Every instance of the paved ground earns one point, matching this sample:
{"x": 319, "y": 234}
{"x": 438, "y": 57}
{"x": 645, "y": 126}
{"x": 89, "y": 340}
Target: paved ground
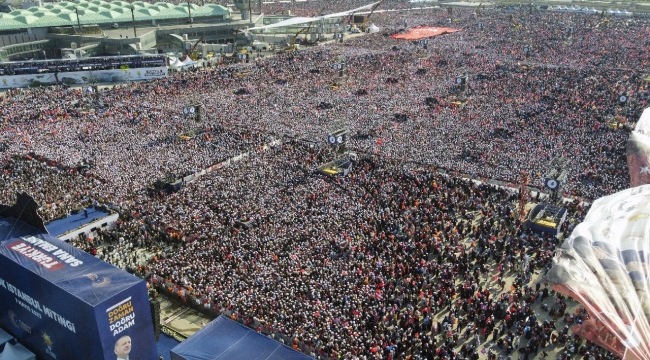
{"x": 182, "y": 320}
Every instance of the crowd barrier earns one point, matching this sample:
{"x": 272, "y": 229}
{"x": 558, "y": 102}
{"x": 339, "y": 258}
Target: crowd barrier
{"x": 180, "y": 183}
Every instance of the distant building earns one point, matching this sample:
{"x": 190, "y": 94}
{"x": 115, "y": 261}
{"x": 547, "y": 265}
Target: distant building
{"x": 30, "y": 4}
{"x": 99, "y": 27}
{"x": 5, "y": 8}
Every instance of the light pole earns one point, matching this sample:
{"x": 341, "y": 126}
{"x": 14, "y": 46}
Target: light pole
{"x": 76, "y": 11}
{"x": 189, "y": 13}
{"x": 135, "y": 35}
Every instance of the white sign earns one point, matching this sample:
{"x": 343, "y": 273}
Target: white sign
{"x": 77, "y": 77}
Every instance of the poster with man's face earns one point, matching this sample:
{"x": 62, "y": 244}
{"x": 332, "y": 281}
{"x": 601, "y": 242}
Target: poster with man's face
{"x": 123, "y": 347}
{"x": 126, "y": 327}
{"x": 63, "y": 303}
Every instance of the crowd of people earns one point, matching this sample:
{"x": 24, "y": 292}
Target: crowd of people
{"x": 405, "y": 257}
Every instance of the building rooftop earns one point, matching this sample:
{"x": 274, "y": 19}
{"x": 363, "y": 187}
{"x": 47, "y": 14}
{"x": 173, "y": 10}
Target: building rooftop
{"x": 102, "y": 12}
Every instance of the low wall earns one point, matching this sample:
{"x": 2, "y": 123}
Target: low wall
{"x": 188, "y": 179}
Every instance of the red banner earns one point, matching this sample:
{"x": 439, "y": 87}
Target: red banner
{"x": 423, "y": 32}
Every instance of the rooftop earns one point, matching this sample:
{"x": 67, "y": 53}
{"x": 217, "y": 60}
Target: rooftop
{"x": 102, "y": 12}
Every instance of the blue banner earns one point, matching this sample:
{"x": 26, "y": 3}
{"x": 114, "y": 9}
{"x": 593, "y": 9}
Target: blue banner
{"x": 63, "y": 303}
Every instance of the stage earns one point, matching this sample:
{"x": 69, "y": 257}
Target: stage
{"x": 546, "y": 218}
{"x": 76, "y": 223}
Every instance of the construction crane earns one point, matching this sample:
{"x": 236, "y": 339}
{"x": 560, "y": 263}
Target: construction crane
{"x": 292, "y": 44}
{"x": 363, "y": 26}
{"x": 191, "y": 53}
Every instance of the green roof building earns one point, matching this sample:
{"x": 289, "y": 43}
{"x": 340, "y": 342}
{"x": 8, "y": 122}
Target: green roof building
{"x": 107, "y": 27}
{"x": 101, "y": 12}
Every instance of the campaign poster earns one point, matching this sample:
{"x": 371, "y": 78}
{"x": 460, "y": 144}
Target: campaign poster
{"x": 62, "y": 303}
{"x": 124, "y": 321}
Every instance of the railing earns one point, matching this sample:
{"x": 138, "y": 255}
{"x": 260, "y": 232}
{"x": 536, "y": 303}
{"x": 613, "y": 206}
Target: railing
{"x": 17, "y": 49}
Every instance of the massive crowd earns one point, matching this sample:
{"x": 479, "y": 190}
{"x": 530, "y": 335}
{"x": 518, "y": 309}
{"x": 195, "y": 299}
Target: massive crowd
{"x": 395, "y": 260}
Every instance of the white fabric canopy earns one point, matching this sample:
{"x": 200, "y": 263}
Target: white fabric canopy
{"x": 288, "y": 22}
{"x": 365, "y": 7}
{"x": 603, "y": 265}
{"x": 638, "y": 151}
{"x": 643, "y": 125}
{"x": 307, "y": 20}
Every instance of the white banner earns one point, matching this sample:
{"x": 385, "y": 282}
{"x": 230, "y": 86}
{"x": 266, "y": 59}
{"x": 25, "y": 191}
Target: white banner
{"x": 83, "y": 77}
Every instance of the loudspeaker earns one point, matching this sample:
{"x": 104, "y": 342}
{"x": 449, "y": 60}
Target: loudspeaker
{"x": 431, "y": 101}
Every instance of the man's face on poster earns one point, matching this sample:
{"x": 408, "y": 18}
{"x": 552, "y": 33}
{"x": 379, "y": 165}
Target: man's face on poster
{"x": 123, "y": 347}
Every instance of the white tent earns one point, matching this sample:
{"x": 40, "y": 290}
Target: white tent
{"x": 175, "y": 63}
{"x": 188, "y": 63}
{"x": 16, "y": 352}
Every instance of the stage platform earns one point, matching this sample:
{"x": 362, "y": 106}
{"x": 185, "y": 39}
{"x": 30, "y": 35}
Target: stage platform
{"x": 74, "y": 224}
{"x": 337, "y": 167}
{"x": 546, "y": 218}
